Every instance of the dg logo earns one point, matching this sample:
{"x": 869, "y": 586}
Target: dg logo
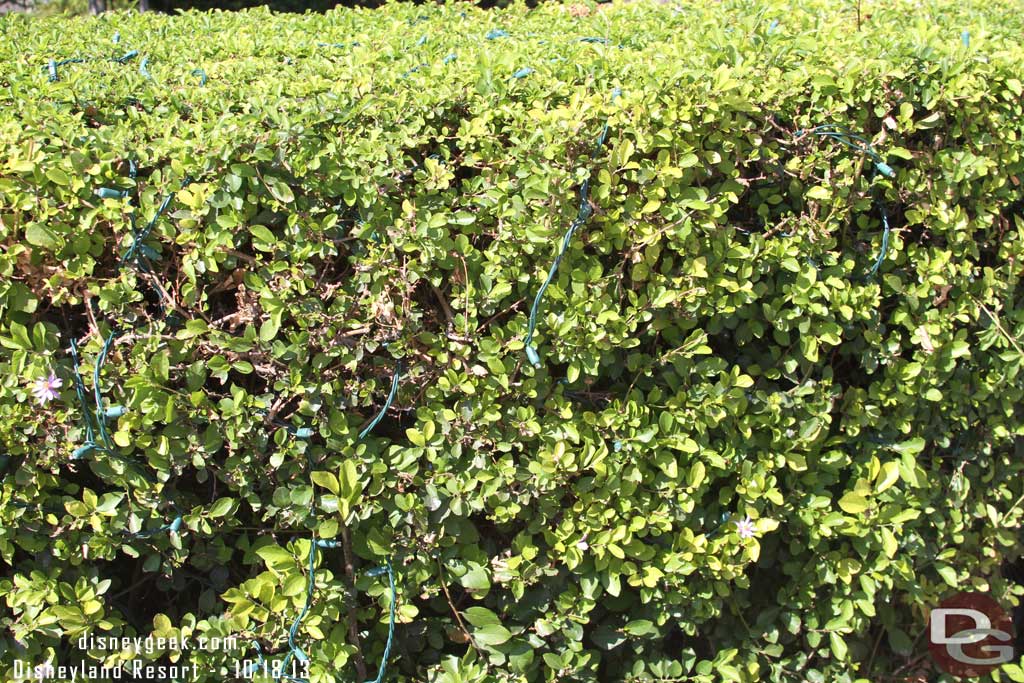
{"x": 969, "y": 635}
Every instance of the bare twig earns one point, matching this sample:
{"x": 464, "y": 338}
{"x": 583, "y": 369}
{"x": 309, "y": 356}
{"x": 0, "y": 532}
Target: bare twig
{"x": 353, "y": 626}
{"x": 355, "y": 332}
{"x": 465, "y": 276}
{"x": 995, "y": 320}
{"x": 499, "y": 314}
{"x": 1010, "y": 511}
{"x": 458, "y": 617}
{"x": 245, "y": 257}
{"x": 444, "y": 304}
{"x": 93, "y": 326}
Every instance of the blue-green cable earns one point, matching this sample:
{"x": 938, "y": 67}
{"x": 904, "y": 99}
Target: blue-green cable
{"x": 387, "y": 404}
{"x": 90, "y": 444}
{"x": 52, "y": 65}
{"x": 134, "y": 251}
{"x": 885, "y": 242}
{"x": 582, "y": 215}
{"x": 90, "y": 437}
{"x": 101, "y": 412}
{"x": 845, "y": 137}
{"x": 100, "y": 415}
{"x": 294, "y": 651}
{"x": 531, "y": 352}
{"x": 127, "y": 57}
{"x": 391, "y": 617}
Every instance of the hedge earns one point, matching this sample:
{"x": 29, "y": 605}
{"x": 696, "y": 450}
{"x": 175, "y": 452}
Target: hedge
{"x": 251, "y": 227}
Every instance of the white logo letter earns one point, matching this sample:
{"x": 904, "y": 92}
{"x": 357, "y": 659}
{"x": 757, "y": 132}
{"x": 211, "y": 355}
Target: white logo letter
{"x": 1001, "y": 653}
{"x": 938, "y": 626}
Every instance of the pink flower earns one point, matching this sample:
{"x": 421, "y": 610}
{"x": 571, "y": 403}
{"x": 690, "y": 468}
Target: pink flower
{"x": 745, "y": 528}
{"x": 45, "y": 390}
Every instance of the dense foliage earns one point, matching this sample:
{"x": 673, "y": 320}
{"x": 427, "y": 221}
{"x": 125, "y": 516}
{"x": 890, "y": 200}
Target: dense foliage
{"x": 733, "y": 331}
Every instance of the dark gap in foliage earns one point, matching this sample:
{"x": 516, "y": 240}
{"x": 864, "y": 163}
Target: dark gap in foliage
{"x": 743, "y": 215}
{"x": 222, "y": 300}
{"x": 154, "y": 305}
{"x": 1013, "y": 571}
{"x": 70, "y": 319}
{"x": 435, "y": 316}
{"x": 723, "y": 346}
{"x": 846, "y": 371}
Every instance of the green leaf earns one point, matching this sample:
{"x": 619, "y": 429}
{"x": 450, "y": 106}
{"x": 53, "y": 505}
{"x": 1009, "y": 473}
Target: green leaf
{"x": 688, "y": 160}
{"x": 476, "y": 579}
{"x": 221, "y": 507}
{"x": 480, "y": 616}
{"x": 39, "y": 235}
{"x": 281, "y": 191}
{"x": 640, "y": 627}
{"x": 350, "y": 488}
{"x": 818, "y": 192}
{"x": 837, "y": 644}
{"x": 108, "y": 503}
{"x": 328, "y": 528}
{"x": 651, "y": 206}
{"x": 276, "y": 557}
{"x": 295, "y": 584}
{"x": 696, "y": 475}
{"x": 887, "y": 476}
{"x": 853, "y": 503}
{"x": 889, "y": 543}
{"x": 947, "y": 573}
{"x": 327, "y": 480}
{"x": 58, "y": 176}
{"x": 19, "y": 338}
{"x": 553, "y": 661}
{"x": 263, "y": 239}
{"x": 302, "y": 495}
{"x": 269, "y": 328}
{"x": 912, "y": 446}
{"x": 607, "y": 638}
{"x": 810, "y": 429}
{"x": 348, "y": 480}
{"x": 416, "y": 437}
{"x": 492, "y": 634}
{"x": 1013, "y": 672}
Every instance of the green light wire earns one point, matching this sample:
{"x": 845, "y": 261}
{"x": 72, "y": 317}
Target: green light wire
{"x": 391, "y": 617}
{"x": 387, "y": 404}
{"x": 134, "y": 252}
{"x": 844, "y": 137}
{"x": 584, "y": 213}
{"x": 52, "y": 65}
{"x": 101, "y": 414}
{"x": 80, "y": 390}
{"x": 294, "y": 651}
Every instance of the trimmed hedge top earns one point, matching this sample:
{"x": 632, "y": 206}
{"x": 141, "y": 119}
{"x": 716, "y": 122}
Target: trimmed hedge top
{"x": 771, "y": 410}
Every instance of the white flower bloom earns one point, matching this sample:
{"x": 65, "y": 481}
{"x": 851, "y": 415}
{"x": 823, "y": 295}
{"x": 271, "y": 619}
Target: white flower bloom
{"x": 745, "y": 528}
